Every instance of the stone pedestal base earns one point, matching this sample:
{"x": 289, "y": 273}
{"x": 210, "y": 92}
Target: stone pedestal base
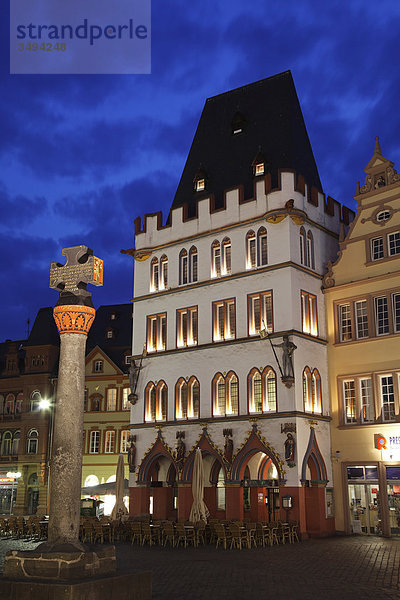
{"x": 122, "y": 587}
{"x": 60, "y": 563}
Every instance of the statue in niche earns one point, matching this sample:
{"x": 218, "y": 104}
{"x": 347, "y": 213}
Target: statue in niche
{"x": 290, "y": 448}
{"x": 228, "y": 445}
{"x": 132, "y": 454}
{"x": 134, "y": 370}
{"x": 180, "y": 449}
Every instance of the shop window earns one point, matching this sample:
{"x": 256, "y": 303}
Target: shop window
{"x": 186, "y": 327}
{"x": 262, "y": 391}
{"x": 225, "y": 395}
{"x": 309, "y": 313}
{"x": 156, "y": 332}
{"x": 33, "y": 441}
{"x": 224, "y": 320}
{"x": 94, "y": 442}
{"x": 156, "y": 397}
{"x": 111, "y": 399}
{"x": 187, "y": 399}
{"x": 109, "y": 445}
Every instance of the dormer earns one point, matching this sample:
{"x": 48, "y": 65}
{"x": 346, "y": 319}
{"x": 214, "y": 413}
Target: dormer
{"x": 200, "y": 180}
{"x": 238, "y": 123}
{"x": 379, "y": 172}
{"x": 259, "y": 164}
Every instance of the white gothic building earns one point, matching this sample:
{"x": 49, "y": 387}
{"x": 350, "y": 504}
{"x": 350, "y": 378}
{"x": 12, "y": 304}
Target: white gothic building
{"x": 230, "y": 332}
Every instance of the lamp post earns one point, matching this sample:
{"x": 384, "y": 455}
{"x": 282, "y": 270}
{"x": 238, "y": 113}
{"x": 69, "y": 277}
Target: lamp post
{"x": 15, "y": 476}
{"x": 44, "y": 405}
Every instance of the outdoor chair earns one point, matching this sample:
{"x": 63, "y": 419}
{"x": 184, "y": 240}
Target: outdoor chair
{"x": 180, "y": 534}
{"x": 148, "y": 534}
{"x": 200, "y": 531}
{"x": 97, "y": 533}
{"x": 168, "y": 533}
{"x": 221, "y": 535}
{"x": 262, "y": 535}
{"x": 251, "y": 534}
{"x": 294, "y": 527}
{"x": 236, "y": 537}
{"x": 136, "y": 531}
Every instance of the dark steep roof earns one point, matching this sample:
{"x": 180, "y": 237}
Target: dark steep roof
{"x": 44, "y": 331}
{"x": 270, "y": 115}
{"x": 121, "y": 326}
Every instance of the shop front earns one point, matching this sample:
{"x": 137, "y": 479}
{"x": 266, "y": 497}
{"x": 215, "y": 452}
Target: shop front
{"x": 8, "y": 494}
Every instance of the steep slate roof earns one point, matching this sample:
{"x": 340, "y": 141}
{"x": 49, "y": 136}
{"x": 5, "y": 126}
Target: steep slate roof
{"x": 44, "y": 331}
{"x": 273, "y": 124}
{"x": 121, "y": 341}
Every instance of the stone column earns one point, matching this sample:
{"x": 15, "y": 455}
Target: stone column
{"x": 66, "y": 466}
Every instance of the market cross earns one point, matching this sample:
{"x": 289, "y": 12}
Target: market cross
{"x": 80, "y": 269}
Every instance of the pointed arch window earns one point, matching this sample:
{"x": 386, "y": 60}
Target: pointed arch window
{"x": 262, "y": 390}
{"x": 316, "y": 392}
{"x": 163, "y": 272}
{"x": 310, "y": 250}
{"x": 312, "y": 393}
{"x": 156, "y": 398}
{"x": 262, "y": 247}
{"x": 226, "y": 265}
{"x": 251, "y": 253}
{"x": 307, "y": 390}
{"x": 183, "y": 267}
{"x": 303, "y": 249}
{"x": 159, "y": 274}
{"x": 187, "y": 398}
{"x": 193, "y": 258}
{"x": 154, "y": 275}
{"x": 215, "y": 259}
{"x": 225, "y": 394}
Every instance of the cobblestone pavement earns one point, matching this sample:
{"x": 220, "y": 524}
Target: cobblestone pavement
{"x": 331, "y": 569}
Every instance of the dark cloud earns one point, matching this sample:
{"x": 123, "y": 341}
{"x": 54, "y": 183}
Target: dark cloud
{"x": 19, "y": 210}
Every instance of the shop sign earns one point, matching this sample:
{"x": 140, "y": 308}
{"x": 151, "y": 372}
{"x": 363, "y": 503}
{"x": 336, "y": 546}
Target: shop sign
{"x": 389, "y": 444}
{"x": 6, "y": 480}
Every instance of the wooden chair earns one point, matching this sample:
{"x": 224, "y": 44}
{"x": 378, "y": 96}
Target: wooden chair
{"x": 136, "y": 532}
{"x": 236, "y": 537}
{"x": 148, "y": 534}
{"x": 251, "y": 534}
{"x": 97, "y": 533}
{"x": 221, "y": 535}
{"x": 168, "y": 533}
{"x": 294, "y": 527}
{"x": 200, "y": 531}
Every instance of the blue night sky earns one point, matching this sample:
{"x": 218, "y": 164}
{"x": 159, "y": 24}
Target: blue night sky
{"x": 82, "y": 156}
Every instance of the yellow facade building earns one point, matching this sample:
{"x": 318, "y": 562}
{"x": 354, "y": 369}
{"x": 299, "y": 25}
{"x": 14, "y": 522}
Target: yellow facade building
{"x": 362, "y": 293}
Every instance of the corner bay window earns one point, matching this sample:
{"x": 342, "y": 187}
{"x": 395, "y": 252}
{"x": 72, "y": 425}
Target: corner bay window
{"x": 186, "y": 327}
{"x": 262, "y": 390}
{"x": 224, "y": 320}
{"x": 260, "y": 312}
{"x": 187, "y": 398}
{"x": 156, "y": 396}
{"x": 225, "y": 392}
{"x": 156, "y": 332}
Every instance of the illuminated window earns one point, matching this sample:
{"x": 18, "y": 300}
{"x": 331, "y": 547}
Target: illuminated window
{"x": 303, "y": 250}
{"x": 262, "y": 248}
{"x": 251, "y": 262}
{"x": 259, "y": 169}
{"x": 349, "y": 396}
{"x": 309, "y": 313}
{"x": 124, "y": 445}
{"x": 109, "y": 445}
{"x": 111, "y": 399}
{"x": 225, "y": 395}
{"x": 312, "y": 395}
{"x": 345, "y": 327}
{"x": 260, "y": 312}
{"x": 262, "y": 390}
{"x": 221, "y": 258}
{"x": 221, "y": 505}
{"x": 154, "y": 278}
{"x": 226, "y": 265}
{"x": 156, "y": 397}
{"x": 94, "y": 442}
{"x": 224, "y": 320}
{"x": 381, "y": 315}
{"x": 193, "y": 264}
{"x": 110, "y": 334}
{"x": 216, "y": 260}
{"x": 387, "y": 397}
{"x": 367, "y": 401}
{"x": 156, "y": 332}
{"x": 310, "y": 250}
{"x": 200, "y": 185}
{"x": 307, "y": 248}
{"x": 125, "y": 402}
{"x": 159, "y": 274}
{"x": 187, "y": 399}
{"x": 186, "y": 327}
{"x": 163, "y": 273}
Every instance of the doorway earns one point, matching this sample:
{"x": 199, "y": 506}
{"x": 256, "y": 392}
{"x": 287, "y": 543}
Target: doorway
{"x": 364, "y": 506}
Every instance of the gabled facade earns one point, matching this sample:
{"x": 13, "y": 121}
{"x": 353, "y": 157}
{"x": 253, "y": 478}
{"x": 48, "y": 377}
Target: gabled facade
{"x": 362, "y": 294}
{"x": 229, "y": 308}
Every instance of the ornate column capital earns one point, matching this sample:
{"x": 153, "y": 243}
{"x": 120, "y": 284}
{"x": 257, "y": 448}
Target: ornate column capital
{"x": 74, "y": 318}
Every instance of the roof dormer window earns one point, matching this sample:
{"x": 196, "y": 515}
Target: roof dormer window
{"x": 259, "y": 169}
{"x": 200, "y": 180}
{"x": 238, "y": 124}
{"x": 200, "y": 185}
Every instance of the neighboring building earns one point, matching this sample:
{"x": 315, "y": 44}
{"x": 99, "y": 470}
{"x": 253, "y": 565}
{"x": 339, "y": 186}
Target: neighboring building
{"x": 362, "y": 293}
{"x": 107, "y": 414}
{"x": 242, "y": 251}
{"x": 27, "y": 376}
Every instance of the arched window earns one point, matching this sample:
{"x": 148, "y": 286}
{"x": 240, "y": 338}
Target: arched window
{"x": 193, "y": 264}
{"x": 193, "y": 398}
{"x": 181, "y": 393}
{"x": 226, "y": 257}
{"x": 33, "y": 440}
{"x": 303, "y": 248}
{"x": 36, "y": 397}
{"x": 187, "y": 398}
{"x": 6, "y": 443}
{"x": 163, "y": 283}
{"x": 251, "y": 254}
{"x": 225, "y": 395}
{"x": 91, "y": 480}
{"x": 15, "y": 442}
{"x": 310, "y": 250}
{"x": 221, "y": 490}
{"x": 9, "y": 404}
{"x": 18, "y": 404}
{"x": 262, "y": 247}
{"x": 262, "y": 390}
{"x": 307, "y": 390}
{"x": 183, "y": 267}
{"x": 156, "y": 402}
{"x": 215, "y": 259}
{"x": 154, "y": 275}
{"x": 316, "y": 389}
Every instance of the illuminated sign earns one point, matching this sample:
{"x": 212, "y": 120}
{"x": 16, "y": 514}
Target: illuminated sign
{"x": 380, "y": 441}
{"x": 6, "y": 480}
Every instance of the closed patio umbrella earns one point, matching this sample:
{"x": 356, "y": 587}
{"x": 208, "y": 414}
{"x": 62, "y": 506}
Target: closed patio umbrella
{"x": 119, "y": 511}
{"x": 199, "y": 510}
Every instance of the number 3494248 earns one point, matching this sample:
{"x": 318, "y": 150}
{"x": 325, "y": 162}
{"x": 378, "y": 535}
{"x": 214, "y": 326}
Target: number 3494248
{"x": 43, "y": 47}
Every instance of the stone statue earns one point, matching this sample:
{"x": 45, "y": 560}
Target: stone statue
{"x": 288, "y": 349}
{"x": 133, "y": 375}
{"x": 132, "y": 456}
{"x": 228, "y": 445}
{"x": 180, "y": 449}
{"x": 290, "y": 447}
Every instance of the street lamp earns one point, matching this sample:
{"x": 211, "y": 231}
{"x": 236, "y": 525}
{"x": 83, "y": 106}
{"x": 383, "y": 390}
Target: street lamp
{"x": 14, "y": 476}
